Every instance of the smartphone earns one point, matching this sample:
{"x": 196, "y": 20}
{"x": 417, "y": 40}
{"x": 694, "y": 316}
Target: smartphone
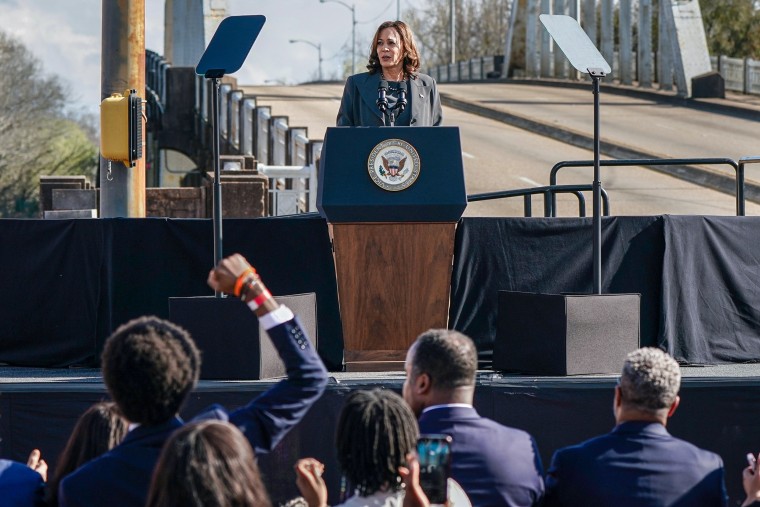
{"x": 434, "y": 454}
{"x": 752, "y": 461}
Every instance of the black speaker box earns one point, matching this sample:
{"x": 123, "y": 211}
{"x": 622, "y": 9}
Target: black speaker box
{"x": 233, "y": 345}
{"x": 565, "y": 334}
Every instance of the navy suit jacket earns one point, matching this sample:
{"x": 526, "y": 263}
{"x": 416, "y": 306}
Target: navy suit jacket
{"x": 358, "y": 107}
{"x": 495, "y": 465}
{"x": 637, "y": 464}
{"x": 20, "y": 486}
{"x": 122, "y": 476}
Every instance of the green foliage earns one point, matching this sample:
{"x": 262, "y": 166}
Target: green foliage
{"x": 731, "y": 27}
{"x": 36, "y": 135}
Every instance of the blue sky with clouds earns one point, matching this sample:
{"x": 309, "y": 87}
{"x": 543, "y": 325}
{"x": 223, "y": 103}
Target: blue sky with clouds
{"x": 65, "y": 36}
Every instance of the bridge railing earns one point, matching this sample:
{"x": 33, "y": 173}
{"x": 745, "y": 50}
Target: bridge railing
{"x": 740, "y": 74}
{"x": 282, "y": 152}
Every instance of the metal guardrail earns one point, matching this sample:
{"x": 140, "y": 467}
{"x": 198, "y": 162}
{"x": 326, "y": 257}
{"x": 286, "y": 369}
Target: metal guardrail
{"x": 740, "y": 74}
{"x": 550, "y": 193}
{"x": 476, "y": 69}
{"x": 738, "y": 168}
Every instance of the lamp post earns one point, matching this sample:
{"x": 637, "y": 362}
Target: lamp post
{"x": 352, "y": 8}
{"x": 319, "y": 50}
{"x": 453, "y": 30}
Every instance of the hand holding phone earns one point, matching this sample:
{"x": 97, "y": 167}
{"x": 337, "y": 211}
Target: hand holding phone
{"x": 434, "y": 455}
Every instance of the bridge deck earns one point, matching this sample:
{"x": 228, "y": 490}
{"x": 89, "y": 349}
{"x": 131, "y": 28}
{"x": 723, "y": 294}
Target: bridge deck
{"x": 498, "y": 156}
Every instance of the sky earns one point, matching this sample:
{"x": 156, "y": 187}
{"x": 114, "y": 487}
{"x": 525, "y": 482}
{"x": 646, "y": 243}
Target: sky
{"x": 65, "y": 35}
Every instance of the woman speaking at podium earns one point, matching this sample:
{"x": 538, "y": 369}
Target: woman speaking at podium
{"x": 391, "y": 92}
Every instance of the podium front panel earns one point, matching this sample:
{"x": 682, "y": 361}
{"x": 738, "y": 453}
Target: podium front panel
{"x": 347, "y": 192}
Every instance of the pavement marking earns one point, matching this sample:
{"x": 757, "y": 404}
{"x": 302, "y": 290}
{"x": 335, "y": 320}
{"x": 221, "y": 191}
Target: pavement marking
{"x": 467, "y": 155}
{"x": 529, "y": 181}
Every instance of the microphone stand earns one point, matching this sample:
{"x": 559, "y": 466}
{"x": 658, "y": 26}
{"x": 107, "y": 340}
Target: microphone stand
{"x": 390, "y": 112}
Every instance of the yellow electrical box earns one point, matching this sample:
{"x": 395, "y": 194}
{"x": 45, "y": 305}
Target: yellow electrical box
{"x": 121, "y": 127}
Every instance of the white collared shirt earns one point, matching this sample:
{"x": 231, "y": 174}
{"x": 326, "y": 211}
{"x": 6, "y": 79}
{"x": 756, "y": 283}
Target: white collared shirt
{"x": 446, "y": 405}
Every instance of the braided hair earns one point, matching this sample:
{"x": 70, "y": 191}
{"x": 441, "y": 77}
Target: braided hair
{"x": 376, "y": 430}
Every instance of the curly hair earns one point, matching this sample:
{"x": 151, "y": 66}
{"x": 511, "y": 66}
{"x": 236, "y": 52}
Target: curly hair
{"x": 448, "y": 357}
{"x": 408, "y": 46}
{"x": 650, "y": 379}
{"x": 149, "y": 367}
{"x": 376, "y": 430}
{"x": 207, "y": 464}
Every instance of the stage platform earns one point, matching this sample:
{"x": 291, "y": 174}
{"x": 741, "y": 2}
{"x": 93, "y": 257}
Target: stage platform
{"x": 720, "y": 411}
{"x": 66, "y": 285}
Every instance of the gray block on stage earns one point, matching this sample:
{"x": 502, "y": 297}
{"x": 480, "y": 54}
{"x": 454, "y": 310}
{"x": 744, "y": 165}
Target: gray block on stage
{"x": 74, "y": 199}
{"x": 65, "y": 214}
{"x": 565, "y": 334}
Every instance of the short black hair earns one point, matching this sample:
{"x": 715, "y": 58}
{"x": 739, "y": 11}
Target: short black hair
{"x": 448, "y": 357}
{"x": 150, "y": 365}
{"x": 376, "y": 430}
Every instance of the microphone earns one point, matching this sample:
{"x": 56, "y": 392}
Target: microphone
{"x": 382, "y": 100}
{"x": 401, "y": 104}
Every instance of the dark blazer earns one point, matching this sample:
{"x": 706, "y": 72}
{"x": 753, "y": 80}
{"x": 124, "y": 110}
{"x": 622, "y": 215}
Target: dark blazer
{"x": 637, "y": 464}
{"x": 20, "y": 486}
{"x": 122, "y": 476}
{"x": 358, "y": 106}
{"x": 495, "y": 465}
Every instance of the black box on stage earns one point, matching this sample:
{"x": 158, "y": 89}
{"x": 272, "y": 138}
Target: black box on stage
{"x": 233, "y": 345}
{"x": 565, "y": 334}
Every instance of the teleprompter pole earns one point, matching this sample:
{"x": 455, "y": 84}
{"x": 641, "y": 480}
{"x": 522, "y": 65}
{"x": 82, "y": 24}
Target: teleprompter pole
{"x": 217, "y": 175}
{"x": 596, "y": 74}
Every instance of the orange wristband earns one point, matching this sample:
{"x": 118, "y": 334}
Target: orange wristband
{"x": 242, "y": 278}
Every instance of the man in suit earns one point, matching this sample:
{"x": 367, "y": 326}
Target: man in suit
{"x": 639, "y": 463}
{"x": 495, "y": 465}
{"x": 150, "y": 366}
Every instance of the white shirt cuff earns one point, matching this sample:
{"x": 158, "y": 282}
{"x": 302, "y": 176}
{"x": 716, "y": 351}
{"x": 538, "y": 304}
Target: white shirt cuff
{"x": 276, "y": 317}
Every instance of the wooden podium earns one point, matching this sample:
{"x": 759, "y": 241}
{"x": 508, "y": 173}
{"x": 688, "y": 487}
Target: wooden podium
{"x": 393, "y": 246}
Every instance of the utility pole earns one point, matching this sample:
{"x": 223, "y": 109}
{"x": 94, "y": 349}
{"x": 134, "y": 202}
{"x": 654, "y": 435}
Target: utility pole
{"x": 122, "y": 64}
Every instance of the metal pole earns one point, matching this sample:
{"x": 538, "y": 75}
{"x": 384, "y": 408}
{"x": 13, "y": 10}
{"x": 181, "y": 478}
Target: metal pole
{"x": 217, "y": 175}
{"x": 353, "y": 39}
{"x": 398, "y": 10}
{"x": 122, "y": 189}
{"x": 453, "y": 32}
{"x": 319, "y": 50}
{"x": 597, "y": 192}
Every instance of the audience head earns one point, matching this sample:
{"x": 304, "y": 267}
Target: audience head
{"x": 376, "y": 430}
{"x": 99, "y": 429}
{"x": 440, "y": 368}
{"x": 149, "y": 367}
{"x": 648, "y": 385}
{"x": 207, "y": 464}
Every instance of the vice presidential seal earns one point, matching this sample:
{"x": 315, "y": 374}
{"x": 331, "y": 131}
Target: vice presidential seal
{"x": 394, "y": 165}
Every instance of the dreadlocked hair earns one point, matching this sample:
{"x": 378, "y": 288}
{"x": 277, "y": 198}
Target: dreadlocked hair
{"x": 376, "y": 431}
